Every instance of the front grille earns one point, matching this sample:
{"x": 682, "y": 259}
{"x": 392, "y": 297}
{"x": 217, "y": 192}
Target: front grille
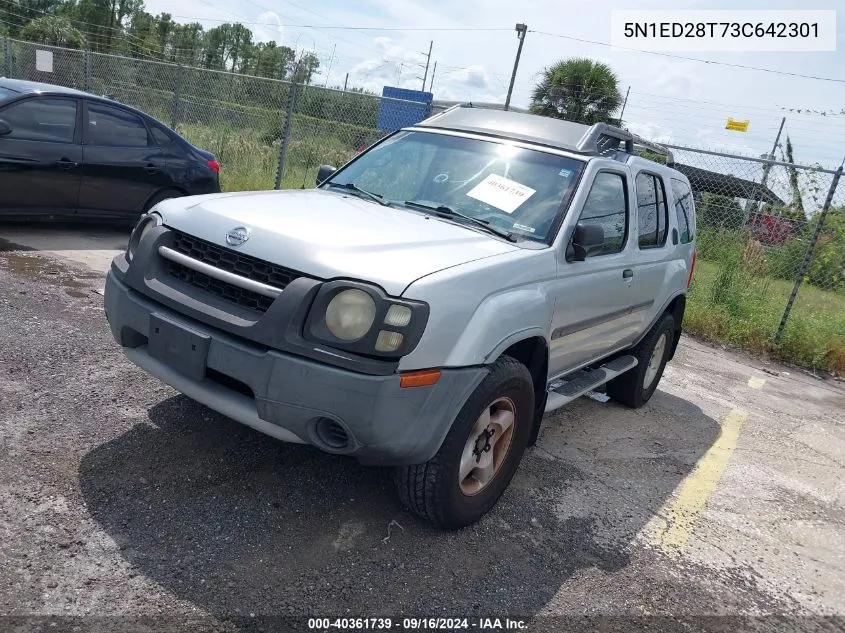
{"x": 230, "y": 261}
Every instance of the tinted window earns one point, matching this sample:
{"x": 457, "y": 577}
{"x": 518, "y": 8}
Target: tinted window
{"x": 607, "y": 206}
{"x": 683, "y": 209}
{"x": 652, "y": 217}
{"x": 161, "y": 136}
{"x": 42, "y": 120}
{"x": 114, "y": 128}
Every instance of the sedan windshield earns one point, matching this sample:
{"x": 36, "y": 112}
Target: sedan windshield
{"x": 510, "y": 189}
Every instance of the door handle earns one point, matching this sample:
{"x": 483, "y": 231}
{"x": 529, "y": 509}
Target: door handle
{"x": 152, "y": 168}
{"x": 627, "y": 274}
{"x": 65, "y": 163}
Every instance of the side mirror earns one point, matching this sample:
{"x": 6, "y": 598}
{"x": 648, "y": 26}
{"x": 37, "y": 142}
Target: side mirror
{"x": 325, "y": 172}
{"x": 587, "y": 240}
{"x": 5, "y": 128}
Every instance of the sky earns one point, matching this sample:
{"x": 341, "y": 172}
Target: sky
{"x": 474, "y": 45}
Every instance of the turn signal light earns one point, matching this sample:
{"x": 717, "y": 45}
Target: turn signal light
{"x": 422, "y": 378}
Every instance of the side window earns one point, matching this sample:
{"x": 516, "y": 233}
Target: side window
{"x": 42, "y": 120}
{"x": 162, "y": 137}
{"x": 112, "y": 127}
{"x": 652, "y": 216}
{"x": 607, "y": 205}
{"x": 683, "y": 209}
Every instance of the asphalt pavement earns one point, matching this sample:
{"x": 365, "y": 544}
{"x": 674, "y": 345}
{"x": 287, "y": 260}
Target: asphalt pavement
{"x": 124, "y": 505}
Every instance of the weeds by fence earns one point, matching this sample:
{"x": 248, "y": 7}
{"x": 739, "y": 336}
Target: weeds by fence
{"x": 771, "y": 235}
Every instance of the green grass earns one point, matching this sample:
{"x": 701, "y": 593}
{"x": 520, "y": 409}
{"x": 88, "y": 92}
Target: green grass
{"x": 745, "y": 311}
{"x": 248, "y": 162}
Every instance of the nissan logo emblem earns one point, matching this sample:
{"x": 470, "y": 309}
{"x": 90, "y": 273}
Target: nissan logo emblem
{"x": 237, "y": 236}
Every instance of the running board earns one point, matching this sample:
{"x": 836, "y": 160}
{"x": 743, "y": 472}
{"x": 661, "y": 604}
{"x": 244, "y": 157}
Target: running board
{"x": 564, "y": 391}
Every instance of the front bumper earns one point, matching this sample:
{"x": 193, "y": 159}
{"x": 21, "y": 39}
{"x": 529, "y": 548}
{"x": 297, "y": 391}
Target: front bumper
{"x": 288, "y": 396}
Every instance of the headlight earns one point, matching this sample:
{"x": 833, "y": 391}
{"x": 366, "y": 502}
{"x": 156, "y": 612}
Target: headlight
{"x": 362, "y": 319}
{"x": 350, "y": 315}
{"x": 147, "y": 222}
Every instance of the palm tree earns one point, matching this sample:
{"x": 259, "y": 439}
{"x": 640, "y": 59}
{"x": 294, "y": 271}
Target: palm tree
{"x": 578, "y": 89}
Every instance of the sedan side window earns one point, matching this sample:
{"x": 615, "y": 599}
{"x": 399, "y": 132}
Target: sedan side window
{"x": 52, "y": 120}
{"x": 607, "y": 206}
{"x": 112, "y": 127}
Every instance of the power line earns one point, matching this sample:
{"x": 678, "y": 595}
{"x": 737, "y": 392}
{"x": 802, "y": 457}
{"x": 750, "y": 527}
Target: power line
{"x": 692, "y": 59}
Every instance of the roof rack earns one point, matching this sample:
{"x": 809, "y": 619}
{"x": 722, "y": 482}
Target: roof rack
{"x": 599, "y": 139}
{"x": 603, "y": 139}
{"x": 655, "y": 147}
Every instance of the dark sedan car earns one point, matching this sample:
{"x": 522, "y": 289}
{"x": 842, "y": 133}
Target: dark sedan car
{"x": 69, "y": 153}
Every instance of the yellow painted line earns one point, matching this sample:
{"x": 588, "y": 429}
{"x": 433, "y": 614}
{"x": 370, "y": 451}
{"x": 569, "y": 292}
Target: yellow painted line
{"x": 699, "y": 485}
{"x": 756, "y": 383}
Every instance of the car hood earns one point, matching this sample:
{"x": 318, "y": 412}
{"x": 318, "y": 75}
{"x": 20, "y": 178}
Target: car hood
{"x": 329, "y": 235}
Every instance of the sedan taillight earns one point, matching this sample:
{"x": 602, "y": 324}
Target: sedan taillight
{"x": 215, "y": 166}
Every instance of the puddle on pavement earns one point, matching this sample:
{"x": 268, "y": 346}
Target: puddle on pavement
{"x": 26, "y": 264}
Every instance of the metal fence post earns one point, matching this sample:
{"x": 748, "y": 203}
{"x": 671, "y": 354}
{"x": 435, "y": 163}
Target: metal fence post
{"x": 87, "y": 58}
{"x": 808, "y": 254}
{"x": 177, "y": 89}
{"x": 283, "y": 146}
{"x": 8, "y": 47}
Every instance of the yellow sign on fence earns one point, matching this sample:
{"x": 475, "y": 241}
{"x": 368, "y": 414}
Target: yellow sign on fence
{"x": 739, "y": 126}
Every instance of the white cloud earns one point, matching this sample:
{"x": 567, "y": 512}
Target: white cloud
{"x": 473, "y": 77}
{"x": 269, "y": 29}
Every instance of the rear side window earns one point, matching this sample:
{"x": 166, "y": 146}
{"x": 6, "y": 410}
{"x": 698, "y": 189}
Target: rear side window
{"x": 683, "y": 209}
{"x": 652, "y": 216}
{"x": 161, "y": 136}
{"x": 51, "y": 120}
{"x": 113, "y": 127}
{"x": 607, "y": 205}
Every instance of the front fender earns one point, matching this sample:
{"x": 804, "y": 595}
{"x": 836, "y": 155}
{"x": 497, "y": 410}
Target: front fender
{"x": 500, "y": 321}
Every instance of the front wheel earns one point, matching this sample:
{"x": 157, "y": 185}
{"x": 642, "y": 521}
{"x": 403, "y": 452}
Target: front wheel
{"x": 480, "y": 454}
{"x": 636, "y": 386}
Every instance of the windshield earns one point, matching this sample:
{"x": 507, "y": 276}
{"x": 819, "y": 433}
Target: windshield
{"x": 519, "y": 191}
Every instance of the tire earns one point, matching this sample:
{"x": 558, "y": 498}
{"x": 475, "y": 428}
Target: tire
{"x": 630, "y": 388}
{"x": 433, "y": 491}
{"x": 166, "y": 194}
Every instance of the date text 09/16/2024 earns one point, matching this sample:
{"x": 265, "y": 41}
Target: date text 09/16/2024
{"x": 415, "y": 624}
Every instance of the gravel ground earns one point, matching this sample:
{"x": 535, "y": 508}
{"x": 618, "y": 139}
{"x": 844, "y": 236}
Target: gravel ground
{"x": 124, "y": 505}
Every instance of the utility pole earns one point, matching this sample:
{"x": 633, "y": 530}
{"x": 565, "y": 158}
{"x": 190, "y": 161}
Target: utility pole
{"x": 345, "y": 81}
{"x": 624, "y": 103}
{"x": 427, "y": 62}
{"x": 766, "y": 168}
{"x": 521, "y": 30}
{"x": 431, "y": 83}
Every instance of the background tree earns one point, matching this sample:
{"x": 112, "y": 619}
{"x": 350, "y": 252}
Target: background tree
{"x": 578, "y": 89}
{"x": 302, "y": 70}
{"x": 53, "y": 30}
{"x": 717, "y": 211}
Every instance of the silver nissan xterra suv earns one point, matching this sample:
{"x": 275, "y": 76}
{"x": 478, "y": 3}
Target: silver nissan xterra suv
{"x": 426, "y": 303}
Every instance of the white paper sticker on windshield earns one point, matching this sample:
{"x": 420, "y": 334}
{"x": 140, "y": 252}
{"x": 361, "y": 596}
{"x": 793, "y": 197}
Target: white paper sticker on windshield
{"x": 44, "y": 61}
{"x": 502, "y": 193}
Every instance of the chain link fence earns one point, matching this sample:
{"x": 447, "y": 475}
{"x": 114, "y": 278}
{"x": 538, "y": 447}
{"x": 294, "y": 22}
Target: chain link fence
{"x": 771, "y": 248}
{"x": 771, "y": 235}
